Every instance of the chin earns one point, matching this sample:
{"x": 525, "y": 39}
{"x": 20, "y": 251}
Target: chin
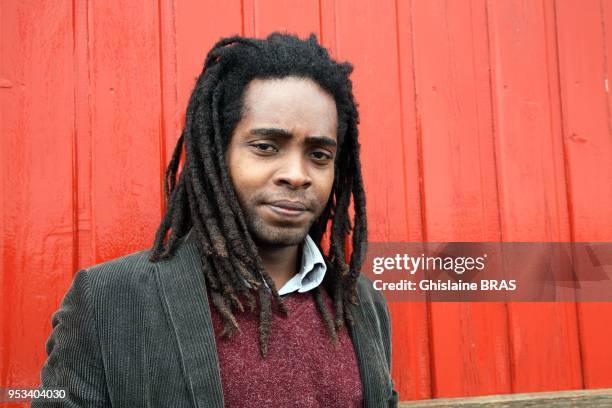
{"x": 279, "y": 236}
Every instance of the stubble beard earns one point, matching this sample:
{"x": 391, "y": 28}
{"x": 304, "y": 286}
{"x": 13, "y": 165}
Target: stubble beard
{"x": 267, "y": 235}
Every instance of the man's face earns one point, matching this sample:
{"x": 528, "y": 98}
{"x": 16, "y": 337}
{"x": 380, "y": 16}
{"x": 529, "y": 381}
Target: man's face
{"x": 281, "y": 158}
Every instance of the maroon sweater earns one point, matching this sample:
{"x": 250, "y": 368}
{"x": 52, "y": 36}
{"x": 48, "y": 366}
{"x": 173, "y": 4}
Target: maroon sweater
{"x": 302, "y": 367}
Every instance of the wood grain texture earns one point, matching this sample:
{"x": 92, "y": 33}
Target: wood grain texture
{"x": 481, "y": 120}
{"x": 544, "y": 349}
{"x": 126, "y": 126}
{"x": 584, "y": 41}
{"x": 37, "y": 209}
{"x": 410, "y": 321}
{"x": 458, "y": 161}
{"x": 374, "y": 54}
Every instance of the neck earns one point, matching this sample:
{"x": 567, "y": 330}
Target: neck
{"x": 281, "y": 263}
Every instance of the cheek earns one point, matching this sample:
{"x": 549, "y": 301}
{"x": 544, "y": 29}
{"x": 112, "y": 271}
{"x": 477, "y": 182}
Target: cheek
{"x": 246, "y": 176}
{"x": 239, "y": 177}
{"x": 236, "y": 173}
{"x": 326, "y": 183}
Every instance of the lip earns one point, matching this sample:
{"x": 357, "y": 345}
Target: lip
{"x": 287, "y": 209}
{"x": 289, "y": 205}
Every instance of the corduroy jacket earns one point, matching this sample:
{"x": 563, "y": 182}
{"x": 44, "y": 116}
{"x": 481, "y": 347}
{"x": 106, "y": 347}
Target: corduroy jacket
{"x": 133, "y": 333}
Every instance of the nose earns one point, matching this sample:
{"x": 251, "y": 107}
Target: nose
{"x": 293, "y": 173}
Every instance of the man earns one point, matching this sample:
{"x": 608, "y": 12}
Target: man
{"x": 271, "y": 162}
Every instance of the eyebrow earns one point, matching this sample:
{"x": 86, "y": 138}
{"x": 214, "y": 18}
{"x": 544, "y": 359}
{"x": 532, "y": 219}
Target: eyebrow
{"x": 276, "y": 132}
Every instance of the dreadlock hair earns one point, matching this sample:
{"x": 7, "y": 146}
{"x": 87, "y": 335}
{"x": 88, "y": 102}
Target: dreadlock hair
{"x": 203, "y": 196}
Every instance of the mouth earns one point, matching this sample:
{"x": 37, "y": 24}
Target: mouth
{"x": 287, "y": 209}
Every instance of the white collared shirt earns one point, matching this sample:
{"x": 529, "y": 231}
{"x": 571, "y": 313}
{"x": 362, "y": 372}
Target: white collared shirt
{"x": 311, "y": 273}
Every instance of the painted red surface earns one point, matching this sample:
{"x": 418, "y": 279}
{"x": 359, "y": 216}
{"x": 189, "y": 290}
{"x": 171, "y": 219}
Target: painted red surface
{"x": 481, "y": 120}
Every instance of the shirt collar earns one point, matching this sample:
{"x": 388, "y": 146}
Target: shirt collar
{"x": 311, "y": 273}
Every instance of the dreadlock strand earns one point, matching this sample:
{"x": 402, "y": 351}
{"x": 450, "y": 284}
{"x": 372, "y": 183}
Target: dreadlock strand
{"x": 172, "y": 219}
{"x": 206, "y": 239}
{"x": 218, "y": 49}
{"x": 201, "y": 198}
{"x": 338, "y": 304}
{"x": 180, "y": 221}
{"x": 350, "y": 320}
{"x": 207, "y": 268}
{"x": 227, "y": 280}
{"x": 230, "y": 325}
{"x": 360, "y": 228}
{"x": 226, "y": 215}
{"x": 198, "y": 223}
{"x": 325, "y": 314}
{"x": 265, "y": 317}
{"x": 217, "y": 269}
{"x": 320, "y": 225}
{"x": 170, "y": 176}
{"x": 221, "y": 259}
{"x": 338, "y": 231}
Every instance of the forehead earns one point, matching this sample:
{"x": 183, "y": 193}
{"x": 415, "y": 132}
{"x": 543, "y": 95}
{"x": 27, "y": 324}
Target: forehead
{"x": 292, "y": 103}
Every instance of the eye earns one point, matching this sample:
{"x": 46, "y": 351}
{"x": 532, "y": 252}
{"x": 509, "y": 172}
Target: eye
{"x": 321, "y": 155}
{"x": 264, "y": 147}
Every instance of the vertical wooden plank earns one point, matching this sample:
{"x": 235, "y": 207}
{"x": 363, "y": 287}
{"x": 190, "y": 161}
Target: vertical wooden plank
{"x": 301, "y": 18}
{"x": 126, "y": 126}
{"x": 36, "y": 155}
{"x": 584, "y": 30}
{"x": 327, "y": 21}
{"x": 543, "y": 336}
{"x": 366, "y": 34}
{"x": 185, "y": 43}
{"x": 373, "y": 52}
{"x": 248, "y": 18}
{"x": 411, "y": 354}
{"x": 469, "y": 340}
{"x": 82, "y": 141}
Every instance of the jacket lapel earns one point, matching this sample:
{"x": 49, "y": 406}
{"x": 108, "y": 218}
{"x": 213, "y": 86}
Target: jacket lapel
{"x": 370, "y": 355}
{"x": 183, "y": 291}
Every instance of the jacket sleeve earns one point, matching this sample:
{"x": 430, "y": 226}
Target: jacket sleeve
{"x": 74, "y": 360}
{"x": 394, "y": 398}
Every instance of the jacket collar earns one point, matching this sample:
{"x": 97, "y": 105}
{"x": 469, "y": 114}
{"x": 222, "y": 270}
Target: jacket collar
{"x": 183, "y": 290}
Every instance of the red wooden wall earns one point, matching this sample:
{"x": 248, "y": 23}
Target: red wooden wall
{"x": 481, "y": 121}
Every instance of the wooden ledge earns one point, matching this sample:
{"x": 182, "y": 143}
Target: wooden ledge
{"x": 578, "y": 398}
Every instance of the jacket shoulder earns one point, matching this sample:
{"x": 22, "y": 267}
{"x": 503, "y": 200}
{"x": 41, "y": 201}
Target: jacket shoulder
{"x": 367, "y": 293}
{"x": 126, "y": 273}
